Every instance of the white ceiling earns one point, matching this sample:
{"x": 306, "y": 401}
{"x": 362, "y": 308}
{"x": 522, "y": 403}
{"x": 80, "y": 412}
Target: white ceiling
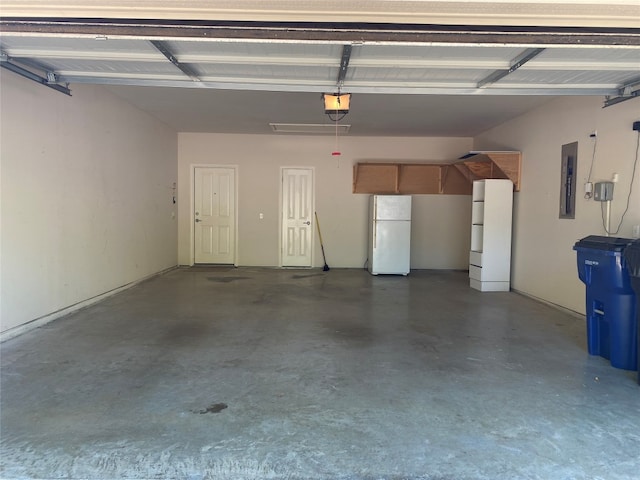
{"x": 242, "y": 111}
{"x": 407, "y": 80}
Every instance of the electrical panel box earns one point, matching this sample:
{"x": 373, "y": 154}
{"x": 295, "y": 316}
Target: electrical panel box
{"x": 603, "y": 191}
{"x": 568, "y": 180}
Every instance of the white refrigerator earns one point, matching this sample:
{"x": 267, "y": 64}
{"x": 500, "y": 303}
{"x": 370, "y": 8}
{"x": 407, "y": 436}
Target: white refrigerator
{"x": 389, "y": 234}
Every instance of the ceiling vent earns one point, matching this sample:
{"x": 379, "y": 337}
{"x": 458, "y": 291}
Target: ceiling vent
{"x": 310, "y": 128}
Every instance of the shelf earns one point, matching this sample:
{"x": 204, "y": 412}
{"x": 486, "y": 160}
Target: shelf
{"x": 477, "y": 232}
{"x": 475, "y": 258}
{"x": 454, "y": 178}
{"x": 479, "y": 165}
{"x": 491, "y": 231}
{"x": 478, "y": 192}
{"x": 408, "y": 179}
{"x": 477, "y": 212}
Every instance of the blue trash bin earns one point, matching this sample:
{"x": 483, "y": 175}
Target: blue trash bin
{"x": 610, "y": 300}
{"x": 632, "y": 257}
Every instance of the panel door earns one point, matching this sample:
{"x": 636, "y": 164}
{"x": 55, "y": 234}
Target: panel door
{"x": 297, "y": 217}
{"x": 214, "y": 215}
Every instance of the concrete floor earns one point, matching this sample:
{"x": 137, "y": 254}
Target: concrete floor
{"x": 326, "y": 375}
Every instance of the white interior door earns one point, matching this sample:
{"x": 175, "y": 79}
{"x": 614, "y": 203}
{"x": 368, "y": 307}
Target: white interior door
{"x": 297, "y": 217}
{"x": 214, "y": 215}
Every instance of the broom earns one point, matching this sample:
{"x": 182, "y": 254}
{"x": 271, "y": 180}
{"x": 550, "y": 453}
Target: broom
{"x": 326, "y": 267}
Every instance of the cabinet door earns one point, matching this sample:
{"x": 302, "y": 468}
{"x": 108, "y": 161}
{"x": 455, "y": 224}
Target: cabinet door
{"x": 478, "y": 190}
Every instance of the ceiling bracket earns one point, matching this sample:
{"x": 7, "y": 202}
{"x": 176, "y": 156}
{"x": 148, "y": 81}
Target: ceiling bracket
{"x": 50, "y": 80}
{"x": 188, "y": 71}
{"x": 626, "y": 92}
{"x": 516, "y": 63}
{"x": 344, "y": 65}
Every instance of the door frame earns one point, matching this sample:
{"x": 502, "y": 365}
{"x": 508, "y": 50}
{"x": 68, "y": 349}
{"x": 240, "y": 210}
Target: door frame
{"x": 280, "y": 212}
{"x": 192, "y": 219}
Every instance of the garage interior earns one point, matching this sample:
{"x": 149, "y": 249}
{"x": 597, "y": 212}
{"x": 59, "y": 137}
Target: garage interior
{"x": 125, "y": 357}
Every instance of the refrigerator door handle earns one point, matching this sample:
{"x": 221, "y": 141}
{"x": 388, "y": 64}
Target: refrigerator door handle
{"x": 375, "y": 209}
{"x": 375, "y": 221}
{"x": 375, "y": 233}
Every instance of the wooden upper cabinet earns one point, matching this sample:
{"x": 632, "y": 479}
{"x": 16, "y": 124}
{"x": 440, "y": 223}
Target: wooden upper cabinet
{"x": 409, "y": 178}
{"x": 419, "y": 179}
{"x": 423, "y": 178}
{"x": 379, "y": 178}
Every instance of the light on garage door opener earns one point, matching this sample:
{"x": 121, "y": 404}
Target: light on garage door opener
{"x": 336, "y": 106}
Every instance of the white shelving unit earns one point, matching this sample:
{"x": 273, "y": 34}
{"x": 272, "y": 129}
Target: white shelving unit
{"x": 490, "y": 255}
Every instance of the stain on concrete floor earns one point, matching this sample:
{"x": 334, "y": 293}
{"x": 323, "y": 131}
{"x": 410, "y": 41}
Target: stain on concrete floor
{"x": 213, "y": 408}
{"x": 227, "y": 279}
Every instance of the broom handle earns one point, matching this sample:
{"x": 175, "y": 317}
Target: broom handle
{"x": 319, "y": 232}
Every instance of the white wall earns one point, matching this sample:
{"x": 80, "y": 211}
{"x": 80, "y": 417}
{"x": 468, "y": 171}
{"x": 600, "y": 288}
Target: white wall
{"x": 544, "y": 264}
{"x": 86, "y": 197}
{"x": 440, "y": 223}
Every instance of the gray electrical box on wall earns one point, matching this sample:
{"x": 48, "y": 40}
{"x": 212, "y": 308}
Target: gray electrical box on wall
{"x": 603, "y": 191}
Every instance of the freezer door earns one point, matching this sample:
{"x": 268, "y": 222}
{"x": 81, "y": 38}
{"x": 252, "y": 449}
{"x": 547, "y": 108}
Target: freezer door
{"x": 391, "y": 248}
{"x": 392, "y": 207}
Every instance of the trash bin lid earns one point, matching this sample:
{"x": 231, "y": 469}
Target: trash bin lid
{"x": 632, "y": 256}
{"x": 596, "y": 242}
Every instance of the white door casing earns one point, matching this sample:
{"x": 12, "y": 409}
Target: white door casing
{"x": 297, "y": 217}
{"x": 214, "y": 215}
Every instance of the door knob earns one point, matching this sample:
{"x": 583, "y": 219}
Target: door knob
{"x": 198, "y": 220}
{"x": 307, "y": 222}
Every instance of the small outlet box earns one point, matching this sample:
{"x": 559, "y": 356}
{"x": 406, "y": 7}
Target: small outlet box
{"x": 636, "y": 126}
{"x": 588, "y": 188}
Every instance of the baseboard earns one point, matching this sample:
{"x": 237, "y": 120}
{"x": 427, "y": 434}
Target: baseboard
{"x": 41, "y": 321}
{"x": 550, "y": 304}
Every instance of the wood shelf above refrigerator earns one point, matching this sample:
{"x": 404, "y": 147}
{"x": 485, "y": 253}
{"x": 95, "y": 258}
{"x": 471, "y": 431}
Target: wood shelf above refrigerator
{"x": 409, "y": 178}
{"x": 428, "y": 178}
